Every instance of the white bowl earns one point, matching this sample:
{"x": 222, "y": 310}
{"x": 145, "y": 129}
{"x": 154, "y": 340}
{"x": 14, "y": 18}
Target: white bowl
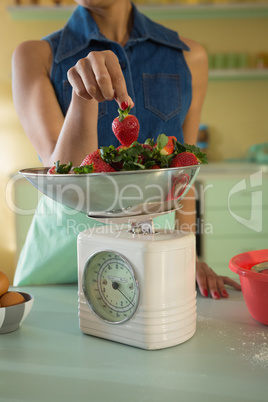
{"x": 13, "y": 316}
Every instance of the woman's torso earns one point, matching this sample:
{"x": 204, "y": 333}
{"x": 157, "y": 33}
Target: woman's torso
{"x": 157, "y": 77}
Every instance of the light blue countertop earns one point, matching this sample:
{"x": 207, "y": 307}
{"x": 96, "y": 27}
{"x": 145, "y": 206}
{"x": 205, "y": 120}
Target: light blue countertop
{"x": 49, "y": 359}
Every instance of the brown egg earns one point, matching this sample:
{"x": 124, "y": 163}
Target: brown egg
{"x": 4, "y": 283}
{"x": 11, "y": 298}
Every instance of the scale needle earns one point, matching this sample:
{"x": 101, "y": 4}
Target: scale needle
{"x": 115, "y": 286}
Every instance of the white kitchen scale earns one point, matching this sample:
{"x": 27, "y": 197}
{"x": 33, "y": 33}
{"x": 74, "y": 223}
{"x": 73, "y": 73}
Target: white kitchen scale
{"x": 136, "y": 284}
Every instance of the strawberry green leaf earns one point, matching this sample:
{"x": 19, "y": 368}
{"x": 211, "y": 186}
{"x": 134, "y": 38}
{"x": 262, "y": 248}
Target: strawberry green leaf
{"x": 106, "y": 150}
{"x": 202, "y": 157}
{"x": 179, "y": 148}
{"x": 123, "y": 113}
{"x": 139, "y": 165}
{"x": 83, "y": 169}
{"x": 165, "y": 160}
{"x": 150, "y": 142}
{"x": 149, "y": 164}
{"x": 63, "y": 169}
{"x": 133, "y": 152}
{"x": 196, "y": 150}
{"x": 162, "y": 141}
{"x": 192, "y": 148}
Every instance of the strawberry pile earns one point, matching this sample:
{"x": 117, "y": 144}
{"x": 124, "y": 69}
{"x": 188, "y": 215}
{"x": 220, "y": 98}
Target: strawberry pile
{"x": 163, "y": 153}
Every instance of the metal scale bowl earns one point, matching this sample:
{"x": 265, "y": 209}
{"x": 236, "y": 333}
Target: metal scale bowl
{"x": 136, "y": 284}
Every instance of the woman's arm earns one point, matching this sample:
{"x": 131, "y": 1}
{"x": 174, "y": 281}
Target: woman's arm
{"x": 208, "y": 281}
{"x": 95, "y": 78}
{"x": 197, "y": 62}
{"x": 53, "y": 137}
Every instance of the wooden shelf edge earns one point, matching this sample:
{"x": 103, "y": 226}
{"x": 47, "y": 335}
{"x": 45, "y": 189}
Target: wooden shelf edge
{"x": 238, "y": 75}
{"x": 205, "y": 11}
{"x": 157, "y": 12}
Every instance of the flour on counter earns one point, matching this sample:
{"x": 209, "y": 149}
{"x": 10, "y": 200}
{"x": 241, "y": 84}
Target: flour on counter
{"x": 250, "y": 345}
{"x": 262, "y": 356}
{"x": 253, "y": 347}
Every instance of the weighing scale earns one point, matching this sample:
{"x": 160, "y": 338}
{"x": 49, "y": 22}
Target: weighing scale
{"x": 136, "y": 284}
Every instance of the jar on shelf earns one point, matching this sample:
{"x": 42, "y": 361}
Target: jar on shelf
{"x": 203, "y": 138}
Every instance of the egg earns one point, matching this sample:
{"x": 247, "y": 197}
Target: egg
{"x": 11, "y": 298}
{"x": 4, "y": 283}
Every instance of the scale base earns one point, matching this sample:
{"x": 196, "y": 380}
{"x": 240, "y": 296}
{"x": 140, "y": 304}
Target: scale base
{"x": 164, "y": 266}
{"x": 155, "y": 335}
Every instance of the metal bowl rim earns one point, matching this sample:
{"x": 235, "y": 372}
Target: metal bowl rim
{"x": 34, "y": 171}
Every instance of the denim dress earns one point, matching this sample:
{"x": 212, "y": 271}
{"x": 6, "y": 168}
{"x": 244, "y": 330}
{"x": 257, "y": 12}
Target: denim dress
{"x": 156, "y": 74}
{"x": 159, "y": 82}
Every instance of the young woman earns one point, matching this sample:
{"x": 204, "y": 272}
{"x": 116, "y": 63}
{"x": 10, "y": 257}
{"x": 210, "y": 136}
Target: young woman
{"x": 109, "y": 53}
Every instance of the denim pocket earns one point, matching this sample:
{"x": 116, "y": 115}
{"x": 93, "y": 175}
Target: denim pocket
{"x": 162, "y": 94}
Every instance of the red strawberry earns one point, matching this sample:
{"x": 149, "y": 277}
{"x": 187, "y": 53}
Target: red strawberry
{"x": 184, "y": 159}
{"x": 147, "y": 146}
{"x": 126, "y": 127}
{"x": 169, "y": 148}
{"x": 52, "y": 170}
{"x": 178, "y": 187}
{"x": 90, "y": 158}
{"x": 98, "y": 163}
{"x": 155, "y": 167}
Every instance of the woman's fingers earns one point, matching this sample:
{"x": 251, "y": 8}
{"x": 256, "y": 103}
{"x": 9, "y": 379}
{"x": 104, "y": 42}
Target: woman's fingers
{"x": 99, "y": 76}
{"x": 77, "y": 84}
{"x": 211, "y": 283}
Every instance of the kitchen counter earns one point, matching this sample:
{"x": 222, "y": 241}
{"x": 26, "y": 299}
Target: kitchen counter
{"x": 49, "y": 359}
{"x": 231, "y": 169}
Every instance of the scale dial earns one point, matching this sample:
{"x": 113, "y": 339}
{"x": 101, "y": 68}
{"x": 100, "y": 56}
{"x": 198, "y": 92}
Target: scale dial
{"x": 110, "y": 287}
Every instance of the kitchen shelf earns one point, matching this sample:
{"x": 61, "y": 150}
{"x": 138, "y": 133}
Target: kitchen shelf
{"x": 156, "y": 12}
{"x": 204, "y": 11}
{"x": 40, "y": 12}
{"x": 238, "y": 75}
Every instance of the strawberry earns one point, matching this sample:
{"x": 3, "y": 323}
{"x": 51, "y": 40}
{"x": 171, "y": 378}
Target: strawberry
{"x": 98, "y": 164}
{"x": 52, "y": 170}
{"x": 169, "y": 148}
{"x": 121, "y": 147}
{"x": 90, "y": 158}
{"x": 126, "y": 127}
{"x": 60, "y": 169}
{"x": 178, "y": 187}
{"x": 147, "y": 146}
{"x": 184, "y": 159}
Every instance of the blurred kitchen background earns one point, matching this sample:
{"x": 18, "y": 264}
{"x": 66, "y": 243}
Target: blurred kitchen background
{"x": 234, "y": 118}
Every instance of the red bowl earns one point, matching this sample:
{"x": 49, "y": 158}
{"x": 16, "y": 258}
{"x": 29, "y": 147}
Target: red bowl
{"x": 254, "y": 285}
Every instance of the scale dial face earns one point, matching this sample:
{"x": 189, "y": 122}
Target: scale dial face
{"x": 110, "y": 287}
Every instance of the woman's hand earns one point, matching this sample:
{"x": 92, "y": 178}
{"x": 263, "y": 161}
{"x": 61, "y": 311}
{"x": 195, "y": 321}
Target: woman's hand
{"x": 211, "y": 283}
{"x": 99, "y": 76}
